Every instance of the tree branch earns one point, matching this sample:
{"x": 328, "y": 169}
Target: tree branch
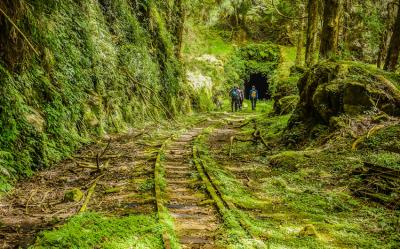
{"x": 19, "y": 31}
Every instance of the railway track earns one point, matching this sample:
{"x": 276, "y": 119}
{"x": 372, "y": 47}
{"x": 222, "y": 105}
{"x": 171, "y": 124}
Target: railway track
{"x": 188, "y": 196}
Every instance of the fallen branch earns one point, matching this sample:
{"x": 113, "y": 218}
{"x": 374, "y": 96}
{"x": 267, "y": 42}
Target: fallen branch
{"x": 89, "y": 195}
{"x": 92, "y": 166}
{"x": 29, "y": 199}
{"x": 99, "y": 156}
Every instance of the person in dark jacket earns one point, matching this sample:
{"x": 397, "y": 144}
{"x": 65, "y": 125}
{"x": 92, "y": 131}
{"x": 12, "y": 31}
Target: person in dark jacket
{"x": 253, "y": 96}
{"x": 235, "y": 98}
{"x": 241, "y": 98}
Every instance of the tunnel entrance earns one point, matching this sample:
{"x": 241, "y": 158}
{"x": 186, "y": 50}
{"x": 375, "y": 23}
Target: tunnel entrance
{"x": 261, "y": 83}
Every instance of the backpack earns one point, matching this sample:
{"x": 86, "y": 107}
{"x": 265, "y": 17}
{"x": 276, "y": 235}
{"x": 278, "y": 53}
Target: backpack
{"x": 234, "y": 94}
{"x": 253, "y": 94}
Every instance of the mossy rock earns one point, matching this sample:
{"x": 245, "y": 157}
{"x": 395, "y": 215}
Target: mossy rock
{"x": 308, "y": 231}
{"x": 331, "y": 89}
{"x": 286, "y": 104}
{"x": 73, "y": 195}
{"x": 287, "y": 160}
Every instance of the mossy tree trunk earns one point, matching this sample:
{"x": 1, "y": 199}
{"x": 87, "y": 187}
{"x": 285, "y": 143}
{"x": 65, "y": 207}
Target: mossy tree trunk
{"x": 394, "y": 47}
{"x": 179, "y": 26}
{"x": 300, "y": 39}
{"x": 330, "y": 29}
{"x": 386, "y": 34}
{"x": 312, "y": 30}
{"x": 345, "y": 27}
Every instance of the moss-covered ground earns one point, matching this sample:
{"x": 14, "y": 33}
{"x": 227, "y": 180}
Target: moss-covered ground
{"x": 300, "y": 198}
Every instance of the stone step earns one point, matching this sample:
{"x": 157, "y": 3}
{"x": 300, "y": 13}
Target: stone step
{"x": 180, "y": 171}
{"x": 182, "y": 181}
{"x": 191, "y": 209}
{"x": 194, "y": 227}
{"x": 179, "y": 199}
{"x": 194, "y": 217}
{"x": 178, "y": 174}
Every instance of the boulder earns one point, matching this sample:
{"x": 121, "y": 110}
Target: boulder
{"x": 331, "y": 89}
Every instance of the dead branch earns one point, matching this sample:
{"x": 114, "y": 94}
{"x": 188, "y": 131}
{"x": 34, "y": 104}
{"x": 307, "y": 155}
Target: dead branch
{"x": 29, "y": 199}
{"x": 99, "y": 156}
{"x": 19, "y": 31}
{"x": 89, "y": 194}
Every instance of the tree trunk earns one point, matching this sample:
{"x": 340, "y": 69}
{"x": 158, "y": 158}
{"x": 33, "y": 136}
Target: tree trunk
{"x": 346, "y": 24}
{"x": 300, "y": 42}
{"x": 386, "y": 34}
{"x": 394, "y": 47}
{"x": 312, "y": 30}
{"x": 382, "y": 49}
{"x": 330, "y": 29}
{"x": 179, "y": 26}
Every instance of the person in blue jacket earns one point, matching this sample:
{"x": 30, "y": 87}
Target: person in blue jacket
{"x": 253, "y": 96}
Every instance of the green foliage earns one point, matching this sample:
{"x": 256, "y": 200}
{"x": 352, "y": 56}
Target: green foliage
{"x": 253, "y": 58}
{"x": 97, "y": 58}
{"x": 91, "y": 230}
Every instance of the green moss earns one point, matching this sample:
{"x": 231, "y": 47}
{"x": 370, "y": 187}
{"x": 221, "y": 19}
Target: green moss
{"x": 73, "y": 195}
{"x": 97, "y": 58}
{"x": 308, "y": 231}
{"x": 387, "y": 138}
{"x": 288, "y": 160}
{"x": 252, "y": 58}
{"x": 286, "y": 104}
{"x": 91, "y": 230}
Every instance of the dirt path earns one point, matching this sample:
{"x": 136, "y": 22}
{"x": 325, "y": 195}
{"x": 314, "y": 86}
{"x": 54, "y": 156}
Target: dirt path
{"x": 196, "y": 219}
{"x": 124, "y": 188}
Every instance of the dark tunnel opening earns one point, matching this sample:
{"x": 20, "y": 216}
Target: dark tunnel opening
{"x": 261, "y": 83}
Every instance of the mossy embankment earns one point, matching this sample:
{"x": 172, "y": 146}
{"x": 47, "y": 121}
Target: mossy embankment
{"x": 85, "y": 68}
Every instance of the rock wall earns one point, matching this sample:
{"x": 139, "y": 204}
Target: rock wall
{"x": 71, "y": 70}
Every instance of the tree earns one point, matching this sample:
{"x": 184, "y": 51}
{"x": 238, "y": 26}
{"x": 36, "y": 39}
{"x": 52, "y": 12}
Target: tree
{"x": 300, "y": 39}
{"x": 330, "y": 29}
{"x": 179, "y": 26}
{"x": 312, "y": 30}
{"x": 385, "y": 35}
{"x": 394, "y": 46}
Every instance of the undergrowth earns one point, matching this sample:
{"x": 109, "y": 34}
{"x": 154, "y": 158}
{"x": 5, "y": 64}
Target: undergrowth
{"x": 92, "y": 230}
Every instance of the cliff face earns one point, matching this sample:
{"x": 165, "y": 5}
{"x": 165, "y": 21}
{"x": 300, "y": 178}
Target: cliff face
{"x": 74, "y": 69}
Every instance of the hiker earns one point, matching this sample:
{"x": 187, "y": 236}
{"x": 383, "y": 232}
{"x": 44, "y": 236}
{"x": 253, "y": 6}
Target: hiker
{"x": 234, "y": 93}
{"x": 253, "y": 96}
{"x": 241, "y": 98}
